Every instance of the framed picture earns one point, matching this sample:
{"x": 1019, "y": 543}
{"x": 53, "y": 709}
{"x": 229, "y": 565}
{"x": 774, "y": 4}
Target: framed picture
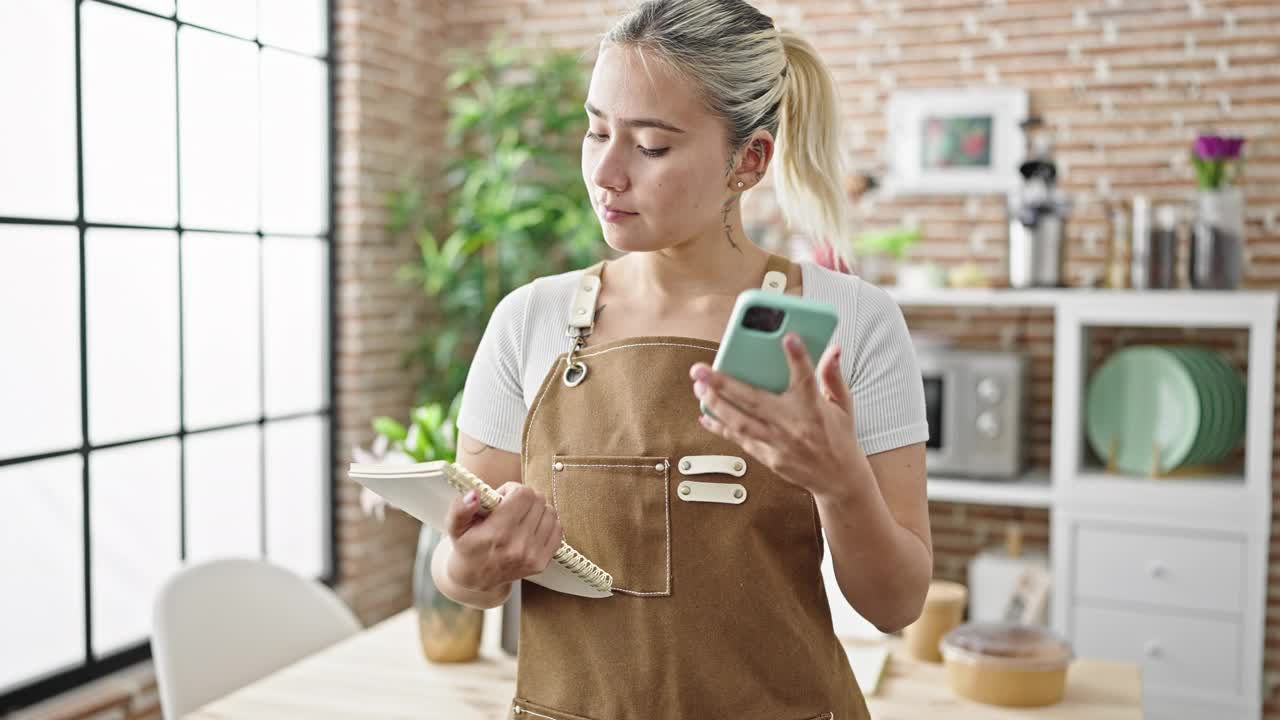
{"x": 955, "y": 141}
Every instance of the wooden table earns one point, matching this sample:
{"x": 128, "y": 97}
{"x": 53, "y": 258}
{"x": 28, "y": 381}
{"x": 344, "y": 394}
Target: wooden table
{"x": 380, "y": 673}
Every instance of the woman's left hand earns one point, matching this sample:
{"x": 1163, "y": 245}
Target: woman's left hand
{"x": 805, "y": 434}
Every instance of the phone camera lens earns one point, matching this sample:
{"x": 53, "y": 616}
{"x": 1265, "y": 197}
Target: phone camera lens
{"x": 764, "y": 319}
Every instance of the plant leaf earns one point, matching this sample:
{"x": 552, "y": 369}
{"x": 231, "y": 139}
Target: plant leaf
{"x": 389, "y": 427}
{"x": 507, "y": 204}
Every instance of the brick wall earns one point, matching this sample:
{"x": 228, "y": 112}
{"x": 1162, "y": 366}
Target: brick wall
{"x": 389, "y": 119}
{"x": 1123, "y": 84}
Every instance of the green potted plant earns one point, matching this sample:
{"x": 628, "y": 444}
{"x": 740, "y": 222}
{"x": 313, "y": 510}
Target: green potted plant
{"x": 448, "y": 631}
{"x": 875, "y": 247}
{"x": 507, "y": 206}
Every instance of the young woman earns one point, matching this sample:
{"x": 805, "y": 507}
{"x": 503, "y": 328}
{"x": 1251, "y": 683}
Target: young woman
{"x": 589, "y": 425}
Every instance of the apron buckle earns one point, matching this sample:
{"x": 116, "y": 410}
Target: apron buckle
{"x": 574, "y": 373}
{"x": 575, "y": 370}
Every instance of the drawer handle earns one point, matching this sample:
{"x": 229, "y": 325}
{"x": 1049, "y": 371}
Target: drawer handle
{"x": 1152, "y": 649}
{"x": 1158, "y": 570}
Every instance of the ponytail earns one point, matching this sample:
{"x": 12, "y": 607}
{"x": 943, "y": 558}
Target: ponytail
{"x": 809, "y": 158}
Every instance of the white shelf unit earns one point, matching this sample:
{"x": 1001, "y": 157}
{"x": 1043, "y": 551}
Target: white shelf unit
{"x": 1170, "y": 573}
{"x": 992, "y": 297}
{"x": 1057, "y": 297}
{"x": 1031, "y": 490}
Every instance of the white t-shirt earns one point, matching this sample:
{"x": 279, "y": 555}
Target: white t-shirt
{"x": 527, "y": 332}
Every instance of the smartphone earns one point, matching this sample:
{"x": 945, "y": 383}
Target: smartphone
{"x": 751, "y": 349}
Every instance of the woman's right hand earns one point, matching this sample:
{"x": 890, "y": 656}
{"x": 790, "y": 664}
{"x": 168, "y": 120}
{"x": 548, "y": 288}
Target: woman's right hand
{"x": 516, "y": 539}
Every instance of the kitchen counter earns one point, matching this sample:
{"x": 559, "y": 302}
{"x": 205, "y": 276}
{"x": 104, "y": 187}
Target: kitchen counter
{"x": 380, "y": 673}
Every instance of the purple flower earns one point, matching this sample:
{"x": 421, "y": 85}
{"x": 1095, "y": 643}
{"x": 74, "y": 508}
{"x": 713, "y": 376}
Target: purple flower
{"x": 1215, "y": 147}
{"x": 1208, "y": 147}
{"x": 1216, "y": 160}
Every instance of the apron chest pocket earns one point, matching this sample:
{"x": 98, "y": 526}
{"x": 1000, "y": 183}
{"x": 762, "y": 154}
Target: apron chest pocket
{"x": 617, "y": 512}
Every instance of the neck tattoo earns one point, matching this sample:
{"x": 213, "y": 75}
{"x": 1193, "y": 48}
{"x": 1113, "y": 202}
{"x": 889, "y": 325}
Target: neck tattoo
{"x": 728, "y": 229}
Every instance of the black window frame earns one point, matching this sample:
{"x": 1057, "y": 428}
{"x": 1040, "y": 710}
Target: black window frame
{"x": 94, "y": 666}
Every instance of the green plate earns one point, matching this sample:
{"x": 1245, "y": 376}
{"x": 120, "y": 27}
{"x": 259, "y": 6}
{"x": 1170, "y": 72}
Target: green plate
{"x": 1232, "y": 406}
{"x": 1240, "y": 391}
{"x": 1211, "y": 403}
{"x": 1241, "y": 394}
{"x": 1233, "y": 391}
{"x": 1143, "y": 397}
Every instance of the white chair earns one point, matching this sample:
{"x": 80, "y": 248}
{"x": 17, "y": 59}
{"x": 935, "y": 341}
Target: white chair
{"x": 220, "y": 625}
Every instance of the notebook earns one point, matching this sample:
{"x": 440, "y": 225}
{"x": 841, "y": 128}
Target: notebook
{"x": 426, "y": 490}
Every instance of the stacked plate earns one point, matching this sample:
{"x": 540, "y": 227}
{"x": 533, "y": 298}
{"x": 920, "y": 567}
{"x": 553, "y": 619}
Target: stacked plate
{"x": 1152, "y": 409}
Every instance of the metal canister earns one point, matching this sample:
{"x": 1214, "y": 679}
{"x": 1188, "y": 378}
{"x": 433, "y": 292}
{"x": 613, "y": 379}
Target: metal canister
{"x": 1037, "y": 251}
{"x": 1154, "y": 246}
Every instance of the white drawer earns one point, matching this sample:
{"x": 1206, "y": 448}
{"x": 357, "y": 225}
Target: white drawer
{"x": 1196, "y": 572}
{"x": 1177, "y": 652}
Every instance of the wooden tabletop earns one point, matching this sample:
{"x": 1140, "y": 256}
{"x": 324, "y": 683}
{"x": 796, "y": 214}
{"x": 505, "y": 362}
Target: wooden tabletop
{"x": 380, "y": 673}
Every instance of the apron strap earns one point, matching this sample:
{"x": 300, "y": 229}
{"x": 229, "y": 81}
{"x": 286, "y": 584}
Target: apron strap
{"x": 582, "y": 312}
{"x": 582, "y": 317}
{"x": 775, "y": 274}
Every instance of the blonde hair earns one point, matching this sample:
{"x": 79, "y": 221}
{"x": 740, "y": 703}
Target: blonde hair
{"x": 756, "y": 76}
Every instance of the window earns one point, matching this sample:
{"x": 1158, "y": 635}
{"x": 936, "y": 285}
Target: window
{"x": 165, "y": 313}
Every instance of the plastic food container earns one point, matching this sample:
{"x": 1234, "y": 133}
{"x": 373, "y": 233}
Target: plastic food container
{"x": 1007, "y": 664}
{"x": 943, "y": 611}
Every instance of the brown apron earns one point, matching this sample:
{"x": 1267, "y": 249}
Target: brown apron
{"x": 719, "y": 609}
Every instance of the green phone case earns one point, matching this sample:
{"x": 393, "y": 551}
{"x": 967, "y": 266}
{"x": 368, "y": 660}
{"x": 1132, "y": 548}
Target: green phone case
{"x": 757, "y": 357}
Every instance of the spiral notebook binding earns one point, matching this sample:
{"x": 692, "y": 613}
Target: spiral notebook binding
{"x": 463, "y": 480}
{"x": 570, "y": 559}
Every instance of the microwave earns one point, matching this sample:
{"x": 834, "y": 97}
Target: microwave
{"x": 975, "y": 402}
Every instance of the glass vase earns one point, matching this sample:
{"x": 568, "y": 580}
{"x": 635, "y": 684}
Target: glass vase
{"x": 1217, "y": 240}
{"x": 449, "y": 631}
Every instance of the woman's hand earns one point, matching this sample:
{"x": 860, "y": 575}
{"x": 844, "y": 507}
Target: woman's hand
{"x": 805, "y": 434}
{"x": 515, "y": 540}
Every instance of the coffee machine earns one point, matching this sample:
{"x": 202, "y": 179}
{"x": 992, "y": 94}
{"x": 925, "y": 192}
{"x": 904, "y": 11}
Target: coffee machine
{"x": 1038, "y": 211}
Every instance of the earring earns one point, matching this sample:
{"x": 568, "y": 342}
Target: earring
{"x": 740, "y": 183}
